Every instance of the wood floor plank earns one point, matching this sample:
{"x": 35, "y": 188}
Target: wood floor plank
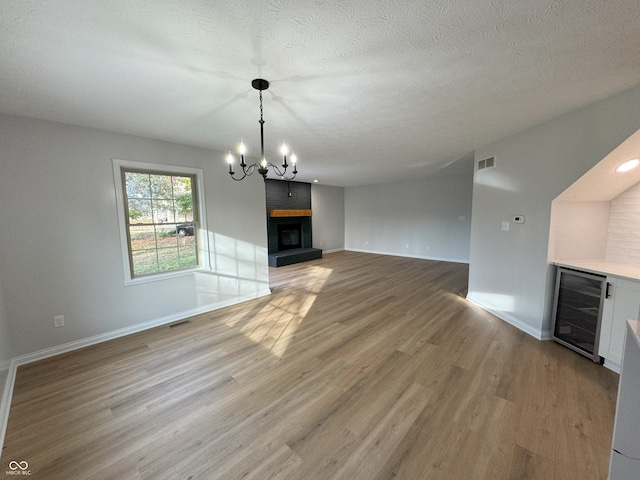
{"x": 527, "y": 465}
{"x": 356, "y": 366}
{"x": 376, "y": 447}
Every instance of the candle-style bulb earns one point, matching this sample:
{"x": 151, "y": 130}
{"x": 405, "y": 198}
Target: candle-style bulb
{"x": 284, "y": 150}
{"x": 230, "y": 162}
{"x": 293, "y": 158}
{"x": 242, "y": 149}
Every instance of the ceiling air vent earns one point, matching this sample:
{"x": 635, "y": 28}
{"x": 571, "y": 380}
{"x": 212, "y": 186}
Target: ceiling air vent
{"x": 486, "y": 163}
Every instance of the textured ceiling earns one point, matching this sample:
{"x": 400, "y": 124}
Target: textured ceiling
{"x": 365, "y": 91}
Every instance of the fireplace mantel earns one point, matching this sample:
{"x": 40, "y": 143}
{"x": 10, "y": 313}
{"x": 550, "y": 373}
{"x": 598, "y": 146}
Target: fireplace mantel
{"x": 290, "y": 213}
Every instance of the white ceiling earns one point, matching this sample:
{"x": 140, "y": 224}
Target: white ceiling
{"x": 365, "y": 91}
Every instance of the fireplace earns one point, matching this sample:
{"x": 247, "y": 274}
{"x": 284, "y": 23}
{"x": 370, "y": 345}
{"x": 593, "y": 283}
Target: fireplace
{"x": 289, "y": 229}
{"x": 289, "y": 236}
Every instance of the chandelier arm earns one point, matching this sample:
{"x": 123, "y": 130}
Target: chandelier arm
{"x": 278, "y": 172}
{"x": 281, "y": 173}
{"x": 246, "y": 171}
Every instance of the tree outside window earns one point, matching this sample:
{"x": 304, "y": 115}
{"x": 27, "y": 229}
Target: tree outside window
{"x": 161, "y": 220}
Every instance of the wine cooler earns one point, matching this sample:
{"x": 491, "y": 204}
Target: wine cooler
{"x": 577, "y": 309}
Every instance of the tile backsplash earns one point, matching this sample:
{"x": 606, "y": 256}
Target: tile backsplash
{"x": 623, "y": 237}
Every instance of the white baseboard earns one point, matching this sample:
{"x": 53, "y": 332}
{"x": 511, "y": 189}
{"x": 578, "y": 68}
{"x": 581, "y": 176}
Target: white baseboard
{"x": 540, "y": 335}
{"x": 546, "y": 335}
{"x": 15, "y": 362}
{"x": 335, "y": 250}
{"x": 396, "y": 254}
{"x": 613, "y": 366}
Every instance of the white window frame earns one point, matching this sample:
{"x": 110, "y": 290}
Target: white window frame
{"x": 202, "y": 231}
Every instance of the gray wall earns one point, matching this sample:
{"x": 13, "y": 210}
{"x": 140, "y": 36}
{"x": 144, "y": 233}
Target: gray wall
{"x": 327, "y": 204}
{"x": 60, "y": 246}
{"x": 423, "y": 219}
{"x": 5, "y": 340}
{"x": 509, "y": 273}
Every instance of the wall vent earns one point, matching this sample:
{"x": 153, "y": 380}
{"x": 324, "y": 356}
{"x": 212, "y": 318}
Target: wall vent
{"x": 489, "y": 162}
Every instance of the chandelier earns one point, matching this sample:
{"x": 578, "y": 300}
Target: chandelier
{"x": 263, "y": 166}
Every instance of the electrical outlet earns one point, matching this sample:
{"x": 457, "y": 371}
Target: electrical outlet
{"x": 58, "y": 321}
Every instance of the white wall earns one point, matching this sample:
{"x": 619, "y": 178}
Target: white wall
{"x": 327, "y": 204}
{"x": 508, "y": 272}
{"x": 623, "y": 234}
{"x": 578, "y": 230}
{"x": 60, "y": 246}
{"x": 424, "y": 219}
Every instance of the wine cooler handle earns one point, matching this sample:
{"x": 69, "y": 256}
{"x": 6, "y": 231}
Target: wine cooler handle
{"x": 606, "y": 293}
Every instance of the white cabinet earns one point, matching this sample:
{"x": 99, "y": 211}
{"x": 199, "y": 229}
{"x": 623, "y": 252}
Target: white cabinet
{"x": 622, "y": 304}
{"x": 625, "y": 455}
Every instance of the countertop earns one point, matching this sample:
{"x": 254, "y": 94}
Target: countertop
{"x": 602, "y": 267}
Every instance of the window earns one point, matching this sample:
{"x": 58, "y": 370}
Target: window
{"x": 160, "y": 215}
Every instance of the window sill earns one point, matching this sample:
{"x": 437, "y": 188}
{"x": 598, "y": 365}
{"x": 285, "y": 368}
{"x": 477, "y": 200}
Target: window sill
{"x": 163, "y": 276}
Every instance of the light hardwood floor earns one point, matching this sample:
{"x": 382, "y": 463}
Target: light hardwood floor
{"x": 358, "y": 366}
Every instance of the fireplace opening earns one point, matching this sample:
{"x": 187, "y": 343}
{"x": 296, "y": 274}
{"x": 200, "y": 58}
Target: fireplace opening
{"x": 289, "y": 236}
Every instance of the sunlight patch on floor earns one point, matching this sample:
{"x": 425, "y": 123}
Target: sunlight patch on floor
{"x": 274, "y": 325}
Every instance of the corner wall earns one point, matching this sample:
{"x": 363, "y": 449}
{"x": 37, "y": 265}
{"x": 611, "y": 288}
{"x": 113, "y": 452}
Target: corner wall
{"x": 423, "y": 219}
{"x": 328, "y": 217}
{"x": 6, "y": 352}
{"x": 509, "y": 274}
{"x": 6, "y": 376}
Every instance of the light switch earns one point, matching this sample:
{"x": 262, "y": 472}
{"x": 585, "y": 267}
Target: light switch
{"x": 505, "y": 226}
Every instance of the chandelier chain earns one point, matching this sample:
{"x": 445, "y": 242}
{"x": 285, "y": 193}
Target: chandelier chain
{"x": 261, "y": 120}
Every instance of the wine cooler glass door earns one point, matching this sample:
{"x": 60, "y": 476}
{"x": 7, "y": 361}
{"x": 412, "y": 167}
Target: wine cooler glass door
{"x": 577, "y": 311}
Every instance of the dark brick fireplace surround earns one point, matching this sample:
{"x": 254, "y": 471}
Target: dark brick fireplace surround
{"x": 292, "y": 199}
